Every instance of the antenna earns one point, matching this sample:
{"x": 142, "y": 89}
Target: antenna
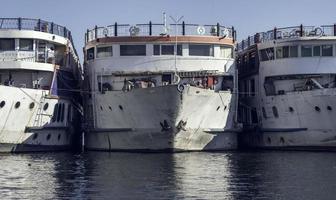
{"x": 175, "y": 49}
{"x": 164, "y": 19}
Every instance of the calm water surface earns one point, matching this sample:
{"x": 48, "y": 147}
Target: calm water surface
{"x": 225, "y": 175}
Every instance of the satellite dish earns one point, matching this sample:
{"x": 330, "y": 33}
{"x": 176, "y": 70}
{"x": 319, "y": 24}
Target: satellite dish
{"x": 201, "y": 30}
{"x": 134, "y": 30}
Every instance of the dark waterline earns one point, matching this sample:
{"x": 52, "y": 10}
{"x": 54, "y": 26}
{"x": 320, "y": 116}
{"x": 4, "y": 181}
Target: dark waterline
{"x": 224, "y": 175}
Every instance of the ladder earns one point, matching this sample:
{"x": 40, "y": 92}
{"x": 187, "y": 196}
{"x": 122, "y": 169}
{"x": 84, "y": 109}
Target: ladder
{"x": 39, "y": 112}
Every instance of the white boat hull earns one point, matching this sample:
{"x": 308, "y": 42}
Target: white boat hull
{"x": 310, "y": 124}
{"x": 163, "y": 118}
{"x": 22, "y": 131}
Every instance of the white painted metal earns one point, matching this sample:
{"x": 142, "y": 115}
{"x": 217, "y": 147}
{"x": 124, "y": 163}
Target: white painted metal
{"x": 27, "y": 109}
{"x": 305, "y": 117}
{"x": 161, "y": 117}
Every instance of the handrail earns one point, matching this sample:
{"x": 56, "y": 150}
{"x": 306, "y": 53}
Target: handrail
{"x": 287, "y": 33}
{"x": 157, "y": 29}
{"x": 36, "y": 25}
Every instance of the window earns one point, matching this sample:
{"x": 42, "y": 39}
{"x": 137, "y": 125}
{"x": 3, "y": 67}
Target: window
{"x": 327, "y": 50}
{"x": 226, "y": 52}
{"x": 285, "y": 51}
{"x": 26, "y": 45}
{"x": 90, "y": 54}
{"x": 264, "y": 112}
{"x": 156, "y": 49}
{"x": 293, "y": 51}
{"x": 306, "y": 50}
{"x": 200, "y": 50}
{"x": 267, "y": 54}
{"x": 252, "y": 87}
{"x": 7, "y": 44}
{"x": 132, "y": 50}
{"x": 279, "y": 52}
{"x": 317, "y": 51}
{"x": 166, "y": 49}
{"x": 104, "y": 52}
{"x": 275, "y": 112}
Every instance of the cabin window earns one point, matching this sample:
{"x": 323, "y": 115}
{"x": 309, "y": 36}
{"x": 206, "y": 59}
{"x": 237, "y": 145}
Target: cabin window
{"x": 306, "y": 51}
{"x": 104, "y": 52}
{"x": 254, "y": 116}
{"x": 275, "y": 112}
{"x": 54, "y": 116}
{"x": 132, "y": 50}
{"x": 226, "y": 52}
{"x": 7, "y": 44}
{"x": 166, "y": 50}
{"x": 317, "y": 51}
{"x": 279, "y": 52}
{"x": 267, "y": 54}
{"x": 264, "y": 112}
{"x": 26, "y": 45}
{"x": 252, "y": 87}
{"x": 200, "y": 50}
{"x": 90, "y": 54}
{"x": 282, "y": 52}
{"x": 327, "y": 50}
{"x": 156, "y": 50}
{"x": 293, "y": 53}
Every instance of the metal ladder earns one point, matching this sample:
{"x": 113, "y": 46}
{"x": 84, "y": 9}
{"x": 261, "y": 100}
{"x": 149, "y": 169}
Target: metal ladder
{"x": 39, "y": 114}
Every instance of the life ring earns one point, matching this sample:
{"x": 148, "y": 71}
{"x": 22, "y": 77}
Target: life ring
{"x": 134, "y": 30}
{"x": 180, "y": 87}
{"x": 318, "y": 31}
{"x": 105, "y": 32}
{"x": 201, "y": 30}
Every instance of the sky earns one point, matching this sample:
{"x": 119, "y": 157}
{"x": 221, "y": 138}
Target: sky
{"x": 248, "y": 17}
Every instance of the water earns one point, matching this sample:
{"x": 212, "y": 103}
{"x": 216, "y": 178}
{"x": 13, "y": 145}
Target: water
{"x": 225, "y": 175}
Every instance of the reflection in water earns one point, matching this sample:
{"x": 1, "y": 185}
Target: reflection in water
{"x": 226, "y": 175}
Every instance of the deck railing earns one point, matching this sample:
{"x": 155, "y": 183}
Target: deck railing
{"x": 287, "y": 32}
{"x": 152, "y": 29}
{"x": 36, "y": 25}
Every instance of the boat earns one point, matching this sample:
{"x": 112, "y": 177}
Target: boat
{"x": 287, "y": 88}
{"x": 160, "y": 87}
{"x": 40, "y": 78}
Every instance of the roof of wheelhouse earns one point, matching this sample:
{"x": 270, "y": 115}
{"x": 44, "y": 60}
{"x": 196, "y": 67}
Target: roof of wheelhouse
{"x": 288, "y": 33}
{"x": 153, "y": 32}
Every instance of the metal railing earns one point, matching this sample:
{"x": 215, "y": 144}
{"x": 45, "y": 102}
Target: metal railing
{"x": 152, "y": 29}
{"x": 36, "y": 25}
{"x": 286, "y": 33}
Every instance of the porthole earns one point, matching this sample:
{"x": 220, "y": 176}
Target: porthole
{"x": 31, "y": 105}
{"x": 2, "y": 104}
{"x": 269, "y": 140}
{"x": 291, "y": 109}
{"x": 218, "y": 108}
{"x": 35, "y": 136}
{"x": 282, "y": 140}
{"x": 317, "y": 109}
{"x": 101, "y": 107}
{"x": 120, "y": 107}
{"x": 264, "y": 112}
{"x": 59, "y": 137}
{"x": 48, "y": 137}
{"x": 225, "y": 107}
{"x": 110, "y": 107}
{"x": 329, "y": 108}
{"x": 275, "y": 112}
{"x": 45, "y": 107}
{"x": 17, "y": 104}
